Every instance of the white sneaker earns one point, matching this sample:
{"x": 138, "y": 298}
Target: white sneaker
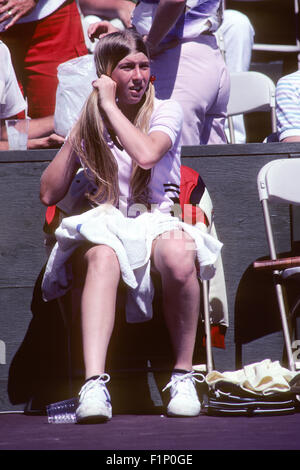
{"x": 184, "y": 399}
{"x": 94, "y": 401}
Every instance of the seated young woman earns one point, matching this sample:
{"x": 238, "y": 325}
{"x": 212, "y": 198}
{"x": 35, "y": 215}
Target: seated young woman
{"x": 127, "y": 142}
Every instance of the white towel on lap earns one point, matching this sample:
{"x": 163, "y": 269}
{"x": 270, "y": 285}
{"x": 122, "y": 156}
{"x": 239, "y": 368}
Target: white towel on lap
{"x": 131, "y": 239}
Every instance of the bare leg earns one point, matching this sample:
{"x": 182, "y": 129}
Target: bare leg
{"x": 98, "y": 304}
{"x": 173, "y": 255}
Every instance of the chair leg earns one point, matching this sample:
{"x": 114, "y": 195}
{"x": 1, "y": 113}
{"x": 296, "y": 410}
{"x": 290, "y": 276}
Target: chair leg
{"x": 293, "y": 328}
{"x": 285, "y": 326}
{"x": 209, "y": 359}
{"x": 231, "y": 130}
{"x": 278, "y": 287}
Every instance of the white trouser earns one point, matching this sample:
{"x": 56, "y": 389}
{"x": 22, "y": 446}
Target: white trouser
{"x": 238, "y": 36}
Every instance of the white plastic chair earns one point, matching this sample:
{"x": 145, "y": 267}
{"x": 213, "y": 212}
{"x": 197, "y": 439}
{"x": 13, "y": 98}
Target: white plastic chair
{"x": 278, "y": 182}
{"x": 250, "y": 92}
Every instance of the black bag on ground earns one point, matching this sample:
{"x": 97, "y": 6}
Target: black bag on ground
{"x": 228, "y": 399}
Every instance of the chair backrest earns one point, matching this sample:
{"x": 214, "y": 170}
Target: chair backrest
{"x": 250, "y": 92}
{"x": 279, "y": 181}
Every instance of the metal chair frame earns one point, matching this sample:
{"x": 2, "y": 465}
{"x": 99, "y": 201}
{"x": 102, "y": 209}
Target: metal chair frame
{"x": 278, "y": 182}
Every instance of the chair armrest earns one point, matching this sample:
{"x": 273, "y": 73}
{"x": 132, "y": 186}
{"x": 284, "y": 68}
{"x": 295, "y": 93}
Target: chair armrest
{"x": 282, "y": 263}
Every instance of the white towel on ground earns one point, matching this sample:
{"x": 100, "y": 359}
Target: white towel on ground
{"x": 131, "y": 239}
{"x": 262, "y": 378}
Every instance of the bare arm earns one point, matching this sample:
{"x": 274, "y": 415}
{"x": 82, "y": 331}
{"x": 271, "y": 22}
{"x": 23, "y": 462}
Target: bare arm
{"x": 58, "y": 176}
{"x": 292, "y": 138}
{"x": 109, "y": 10}
{"x": 52, "y": 141}
{"x": 41, "y": 134}
{"x": 49, "y": 142}
{"x": 167, "y": 13}
{"x": 39, "y": 127}
{"x": 145, "y": 150}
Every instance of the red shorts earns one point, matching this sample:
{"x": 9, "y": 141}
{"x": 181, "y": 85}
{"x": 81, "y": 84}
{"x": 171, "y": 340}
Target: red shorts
{"x": 38, "y": 47}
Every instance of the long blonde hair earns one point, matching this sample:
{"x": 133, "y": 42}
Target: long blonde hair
{"x": 88, "y": 138}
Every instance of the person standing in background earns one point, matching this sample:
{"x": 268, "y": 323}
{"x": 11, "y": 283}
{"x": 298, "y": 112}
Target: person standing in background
{"x": 186, "y": 62}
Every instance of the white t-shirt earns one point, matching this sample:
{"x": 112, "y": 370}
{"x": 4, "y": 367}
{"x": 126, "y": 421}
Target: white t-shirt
{"x": 11, "y": 98}
{"x": 288, "y": 105}
{"x": 164, "y": 186}
{"x": 165, "y": 179}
